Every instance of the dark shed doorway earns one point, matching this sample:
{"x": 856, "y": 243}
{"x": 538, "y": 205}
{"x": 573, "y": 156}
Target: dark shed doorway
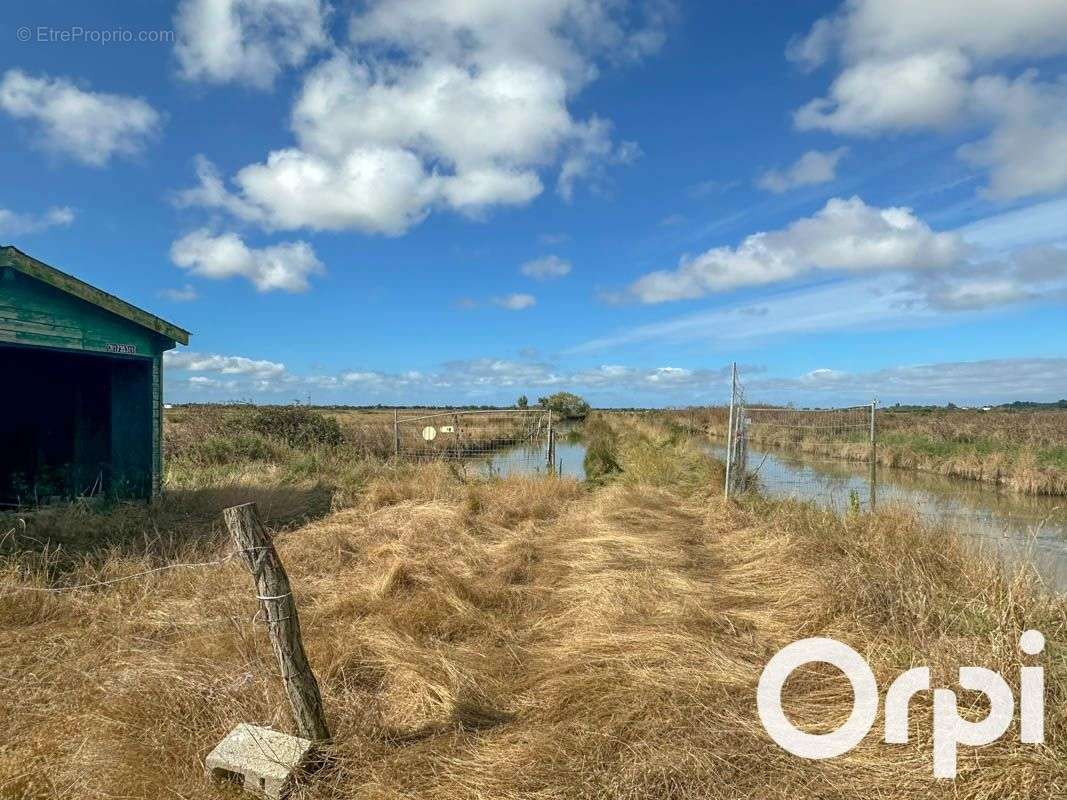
{"x": 64, "y": 434}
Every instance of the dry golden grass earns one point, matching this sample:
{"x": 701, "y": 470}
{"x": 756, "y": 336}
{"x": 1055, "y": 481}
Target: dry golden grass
{"x": 204, "y": 435}
{"x": 527, "y": 638}
{"x": 333, "y": 446}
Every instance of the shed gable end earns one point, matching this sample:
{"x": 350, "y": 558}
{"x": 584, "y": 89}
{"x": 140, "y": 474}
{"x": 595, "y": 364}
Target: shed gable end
{"x": 14, "y": 260}
{"x": 34, "y": 313}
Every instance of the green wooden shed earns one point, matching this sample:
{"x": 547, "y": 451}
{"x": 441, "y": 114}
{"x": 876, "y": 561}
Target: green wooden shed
{"x": 81, "y": 406}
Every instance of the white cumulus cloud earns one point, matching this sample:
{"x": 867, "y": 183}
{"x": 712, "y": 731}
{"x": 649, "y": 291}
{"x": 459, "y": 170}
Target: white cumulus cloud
{"x": 1026, "y": 153}
{"x": 189, "y": 361}
{"x": 285, "y": 266}
{"x": 846, "y": 235}
{"x": 247, "y": 41}
{"x": 15, "y": 224}
{"x": 916, "y": 91}
{"x": 910, "y": 65}
{"x": 91, "y": 127}
{"x": 434, "y": 104}
{"x": 983, "y": 29}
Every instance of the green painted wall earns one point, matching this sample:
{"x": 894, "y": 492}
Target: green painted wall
{"x": 33, "y": 313}
{"x": 134, "y": 467}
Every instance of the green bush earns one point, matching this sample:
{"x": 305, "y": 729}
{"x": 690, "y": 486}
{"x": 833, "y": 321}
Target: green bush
{"x": 228, "y": 448}
{"x": 566, "y": 405}
{"x": 297, "y": 426}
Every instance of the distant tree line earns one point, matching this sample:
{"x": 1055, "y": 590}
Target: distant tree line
{"x": 1017, "y": 405}
{"x": 565, "y": 404}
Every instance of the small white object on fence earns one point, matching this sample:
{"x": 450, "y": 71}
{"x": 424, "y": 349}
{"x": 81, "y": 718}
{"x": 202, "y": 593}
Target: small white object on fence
{"x": 515, "y": 434}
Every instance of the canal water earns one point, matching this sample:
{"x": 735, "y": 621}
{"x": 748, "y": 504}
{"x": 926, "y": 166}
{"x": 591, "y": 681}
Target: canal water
{"x": 1020, "y": 527}
{"x": 532, "y": 460}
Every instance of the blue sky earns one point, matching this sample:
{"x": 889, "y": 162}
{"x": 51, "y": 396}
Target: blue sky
{"x": 412, "y": 201}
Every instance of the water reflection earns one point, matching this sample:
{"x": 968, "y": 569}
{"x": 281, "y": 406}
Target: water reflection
{"x": 533, "y": 460}
{"x": 1020, "y": 526}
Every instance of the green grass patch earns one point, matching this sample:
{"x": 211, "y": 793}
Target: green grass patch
{"x": 942, "y": 449}
{"x": 1053, "y": 457}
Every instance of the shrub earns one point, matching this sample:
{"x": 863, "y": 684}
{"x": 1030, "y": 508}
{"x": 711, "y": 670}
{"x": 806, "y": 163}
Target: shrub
{"x": 296, "y": 426}
{"x": 227, "y": 449}
{"x": 566, "y": 405}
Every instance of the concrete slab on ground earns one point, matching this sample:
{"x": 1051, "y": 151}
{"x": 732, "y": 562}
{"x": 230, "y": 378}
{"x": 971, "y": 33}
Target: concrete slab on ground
{"x": 263, "y": 761}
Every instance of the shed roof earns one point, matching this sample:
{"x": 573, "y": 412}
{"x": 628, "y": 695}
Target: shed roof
{"x": 28, "y": 265}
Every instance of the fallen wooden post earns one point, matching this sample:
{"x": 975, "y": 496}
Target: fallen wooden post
{"x": 276, "y": 599}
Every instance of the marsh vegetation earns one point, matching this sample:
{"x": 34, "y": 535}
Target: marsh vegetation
{"x": 517, "y": 637}
{"x": 1023, "y": 450}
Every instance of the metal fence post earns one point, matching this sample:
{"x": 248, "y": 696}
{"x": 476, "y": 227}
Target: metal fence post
{"x": 873, "y": 478}
{"x": 741, "y": 467}
{"x": 551, "y": 455}
{"x": 396, "y": 433}
{"x": 730, "y": 430}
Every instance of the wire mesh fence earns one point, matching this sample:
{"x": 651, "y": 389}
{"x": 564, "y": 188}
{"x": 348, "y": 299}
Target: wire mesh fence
{"x": 499, "y": 441}
{"x": 820, "y": 439}
{"x": 792, "y": 452}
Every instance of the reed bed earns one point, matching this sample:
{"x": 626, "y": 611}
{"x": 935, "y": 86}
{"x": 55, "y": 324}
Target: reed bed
{"x": 1022, "y": 450}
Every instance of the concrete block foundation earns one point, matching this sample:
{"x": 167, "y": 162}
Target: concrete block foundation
{"x": 263, "y": 761}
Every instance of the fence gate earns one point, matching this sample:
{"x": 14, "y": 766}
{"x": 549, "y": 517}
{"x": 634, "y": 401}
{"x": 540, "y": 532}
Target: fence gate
{"x": 502, "y": 440}
{"x": 801, "y": 452}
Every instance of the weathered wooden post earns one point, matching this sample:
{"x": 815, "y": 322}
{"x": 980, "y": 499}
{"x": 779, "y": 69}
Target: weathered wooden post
{"x": 276, "y": 598}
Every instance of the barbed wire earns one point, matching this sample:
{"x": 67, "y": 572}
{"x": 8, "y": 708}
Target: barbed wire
{"x": 166, "y": 567}
{"x": 97, "y": 584}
